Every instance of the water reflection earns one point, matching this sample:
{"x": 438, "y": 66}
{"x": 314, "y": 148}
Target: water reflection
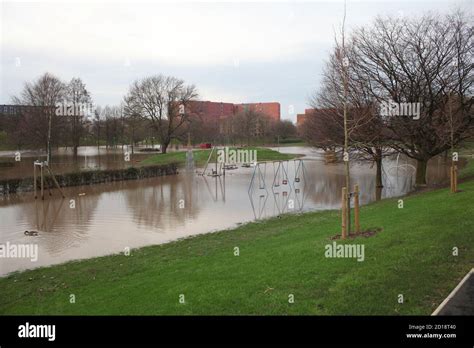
{"x": 110, "y": 217}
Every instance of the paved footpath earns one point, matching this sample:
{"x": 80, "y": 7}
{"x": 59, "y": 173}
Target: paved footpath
{"x": 461, "y": 300}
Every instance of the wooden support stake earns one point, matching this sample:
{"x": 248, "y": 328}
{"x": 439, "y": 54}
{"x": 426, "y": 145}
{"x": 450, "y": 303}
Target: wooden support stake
{"x": 453, "y": 189}
{"x": 344, "y": 214}
{"x": 451, "y": 179}
{"x": 356, "y": 209}
{"x": 455, "y": 178}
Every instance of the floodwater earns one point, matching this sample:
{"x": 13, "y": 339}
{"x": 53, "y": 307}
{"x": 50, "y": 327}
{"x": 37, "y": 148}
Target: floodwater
{"x": 108, "y": 218}
{"x": 88, "y": 158}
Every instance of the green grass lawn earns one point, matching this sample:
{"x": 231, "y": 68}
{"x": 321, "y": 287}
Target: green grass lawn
{"x": 412, "y": 256}
{"x": 201, "y": 156}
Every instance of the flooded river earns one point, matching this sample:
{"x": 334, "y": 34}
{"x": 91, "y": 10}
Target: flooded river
{"x": 108, "y": 218}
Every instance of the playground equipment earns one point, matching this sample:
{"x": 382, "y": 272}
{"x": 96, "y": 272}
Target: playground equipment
{"x": 284, "y": 181}
{"x": 259, "y": 176}
{"x": 44, "y": 166}
{"x": 219, "y": 168}
{"x": 189, "y": 160}
{"x": 281, "y": 183}
{"x": 219, "y": 187}
{"x": 404, "y": 168}
{"x": 404, "y": 171}
{"x": 258, "y": 212}
{"x": 281, "y": 176}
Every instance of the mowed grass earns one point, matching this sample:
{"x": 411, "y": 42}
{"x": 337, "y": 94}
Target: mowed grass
{"x": 201, "y": 156}
{"x": 412, "y": 256}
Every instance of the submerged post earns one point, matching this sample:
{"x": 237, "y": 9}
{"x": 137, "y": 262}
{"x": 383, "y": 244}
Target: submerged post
{"x": 356, "y": 209}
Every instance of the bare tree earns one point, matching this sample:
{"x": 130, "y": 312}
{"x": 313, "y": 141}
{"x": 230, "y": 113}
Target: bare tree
{"x": 163, "y": 101}
{"x": 46, "y": 92}
{"x": 249, "y": 124}
{"x": 422, "y": 60}
{"x": 97, "y": 124}
{"x": 342, "y": 108}
{"x": 79, "y": 99}
{"x": 134, "y": 124}
{"x": 285, "y": 129}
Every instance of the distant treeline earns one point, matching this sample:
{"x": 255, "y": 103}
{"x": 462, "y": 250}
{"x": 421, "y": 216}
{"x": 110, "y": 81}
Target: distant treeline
{"x": 52, "y": 113}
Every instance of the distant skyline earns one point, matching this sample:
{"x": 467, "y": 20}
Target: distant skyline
{"x": 233, "y": 52}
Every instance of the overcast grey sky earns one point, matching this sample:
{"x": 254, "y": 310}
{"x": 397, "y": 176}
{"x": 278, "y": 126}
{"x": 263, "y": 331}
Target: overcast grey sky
{"x": 233, "y": 52}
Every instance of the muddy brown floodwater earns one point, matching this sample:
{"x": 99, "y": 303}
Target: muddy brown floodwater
{"x": 108, "y": 218}
{"x": 88, "y": 158}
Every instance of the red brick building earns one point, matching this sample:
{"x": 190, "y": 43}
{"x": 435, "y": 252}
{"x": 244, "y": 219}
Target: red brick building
{"x": 300, "y": 118}
{"x": 271, "y": 109}
{"x": 215, "y": 114}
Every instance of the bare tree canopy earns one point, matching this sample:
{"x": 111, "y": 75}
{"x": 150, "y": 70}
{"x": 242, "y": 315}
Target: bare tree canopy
{"x": 163, "y": 101}
{"x": 45, "y": 92}
{"x": 419, "y": 69}
{"x": 77, "y": 95}
{"x": 425, "y": 61}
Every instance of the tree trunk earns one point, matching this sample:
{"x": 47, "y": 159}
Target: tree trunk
{"x": 378, "y": 175}
{"x": 164, "y": 147}
{"x": 75, "y": 151}
{"x": 378, "y": 162}
{"x": 421, "y": 172}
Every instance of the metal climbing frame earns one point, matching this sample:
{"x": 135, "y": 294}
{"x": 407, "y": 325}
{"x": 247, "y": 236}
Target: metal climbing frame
{"x": 44, "y": 165}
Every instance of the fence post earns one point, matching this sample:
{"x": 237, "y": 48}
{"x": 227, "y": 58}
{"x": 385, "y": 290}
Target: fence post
{"x": 356, "y": 209}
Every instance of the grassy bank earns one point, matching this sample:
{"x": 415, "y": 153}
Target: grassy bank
{"x": 201, "y": 156}
{"x": 412, "y": 256}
